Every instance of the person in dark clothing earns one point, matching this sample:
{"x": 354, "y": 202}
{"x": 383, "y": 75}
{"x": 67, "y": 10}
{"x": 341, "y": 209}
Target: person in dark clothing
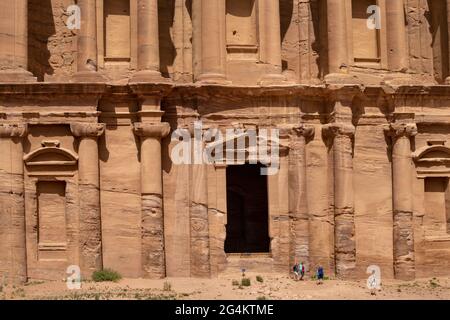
{"x": 320, "y": 275}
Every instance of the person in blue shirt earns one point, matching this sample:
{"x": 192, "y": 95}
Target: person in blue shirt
{"x": 320, "y": 275}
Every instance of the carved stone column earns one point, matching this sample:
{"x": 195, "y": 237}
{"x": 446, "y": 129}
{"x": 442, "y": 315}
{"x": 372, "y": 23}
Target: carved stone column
{"x": 337, "y": 37}
{"x": 12, "y": 202}
{"x": 447, "y": 80}
{"x": 87, "y": 63}
{"x": 402, "y": 197}
{"x": 209, "y": 30}
{"x": 298, "y": 202}
{"x": 89, "y": 191}
{"x": 148, "y": 42}
{"x": 152, "y": 221}
{"x": 14, "y": 42}
{"x": 200, "y": 247}
{"x": 396, "y": 35}
{"x": 271, "y": 44}
{"x": 341, "y": 135}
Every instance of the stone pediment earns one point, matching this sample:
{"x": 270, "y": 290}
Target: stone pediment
{"x": 245, "y": 147}
{"x": 51, "y": 154}
{"x": 433, "y": 160}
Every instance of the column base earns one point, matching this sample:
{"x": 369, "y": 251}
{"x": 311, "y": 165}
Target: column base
{"x": 145, "y": 76}
{"x": 447, "y": 81}
{"x": 88, "y": 76}
{"x": 213, "y": 78}
{"x": 16, "y": 76}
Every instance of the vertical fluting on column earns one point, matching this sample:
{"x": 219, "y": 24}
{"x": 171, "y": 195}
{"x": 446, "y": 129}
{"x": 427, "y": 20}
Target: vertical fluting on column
{"x": 396, "y": 35}
{"x": 342, "y": 136}
{"x": 209, "y": 31}
{"x": 298, "y": 202}
{"x": 152, "y": 219}
{"x": 270, "y": 25}
{"x": 89, "y": 193}
{"x": 148, "y": 42}
{"x": 402, "y": 193}
{"x": 199, "y": 220}
{"x": 337, "y": 37}
{"x": 87, "y": 63}
{"x": 14, "y": 42}
{"x": 12, "y": 201}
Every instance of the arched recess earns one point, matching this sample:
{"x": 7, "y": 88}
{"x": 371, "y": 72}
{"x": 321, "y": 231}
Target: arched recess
{"x": 433, "y": 167}
{"x": 433, "y": 161}
{"x": 51, "y": 213}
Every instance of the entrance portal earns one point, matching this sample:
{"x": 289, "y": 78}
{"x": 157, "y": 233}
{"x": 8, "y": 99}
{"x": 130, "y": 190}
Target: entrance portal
{"x": 247, "y": 206}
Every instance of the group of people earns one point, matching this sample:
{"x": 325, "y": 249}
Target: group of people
{"x": 299, "y": 272}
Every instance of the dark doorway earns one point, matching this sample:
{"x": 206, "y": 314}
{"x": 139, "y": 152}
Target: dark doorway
{"x": 247, "y": 206}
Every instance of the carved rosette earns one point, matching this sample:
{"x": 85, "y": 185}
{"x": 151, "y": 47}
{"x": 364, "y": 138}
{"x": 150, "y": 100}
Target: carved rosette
{"x": 151, "y": 130}
{"x": 13, "y": 130}
{"x": 91, "y": 130}
{"x": 400, "y": 130}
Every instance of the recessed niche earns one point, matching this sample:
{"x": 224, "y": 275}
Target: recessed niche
{"x": 242, "y": 42}
{"x": 51, "y": 207}
{"x": 437, "y": 202}
{"x": 366, "y": 44}
{"x": 117, "y": 30}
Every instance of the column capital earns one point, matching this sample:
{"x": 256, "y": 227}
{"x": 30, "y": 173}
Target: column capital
{"x": 295, "y": 132}
{"x": 338, "y": 129}
{"x": 13, "y": 130}
{"x": 151, "y": 130}
{"x": 92, "y": 130}
{"x": 306, "y": 131}
{"x": 398, "y": 130}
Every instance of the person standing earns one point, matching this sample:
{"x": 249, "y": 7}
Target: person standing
{"x": 302, "y": 270}
{"x": 320, "y": 275}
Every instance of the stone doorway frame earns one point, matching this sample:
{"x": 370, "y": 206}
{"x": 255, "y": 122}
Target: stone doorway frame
{"x": 51, "y": 171}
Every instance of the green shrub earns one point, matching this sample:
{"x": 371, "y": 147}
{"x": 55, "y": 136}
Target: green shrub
{"x": 245, "y": 282}
{"x": 235, "y": 283}
{"x": 106, "y": 275}
{"x": 261, "y": 298}
{"x": 259, "y": 279}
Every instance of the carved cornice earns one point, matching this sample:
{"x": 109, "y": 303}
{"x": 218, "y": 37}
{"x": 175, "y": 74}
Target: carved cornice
{"x": 151, "y": 130}
{"x": 13, "y": 130}
{"x": 398, "y": 130}
{"x": 92, "y": 130}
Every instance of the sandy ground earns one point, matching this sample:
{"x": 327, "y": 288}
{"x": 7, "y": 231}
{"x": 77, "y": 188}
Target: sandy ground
{"x": 273, "y": 287}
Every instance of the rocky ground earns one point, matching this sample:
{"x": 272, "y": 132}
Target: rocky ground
{"x": 269, "y": 287}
